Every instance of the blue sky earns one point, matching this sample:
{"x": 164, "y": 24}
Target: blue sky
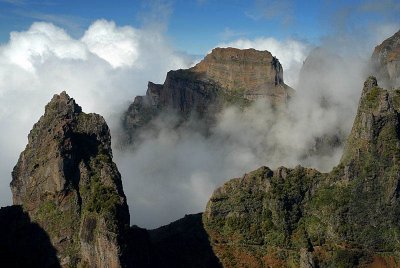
{"x": 198, "y": 25}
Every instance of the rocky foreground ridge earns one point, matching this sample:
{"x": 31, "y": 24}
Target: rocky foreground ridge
{"x": 304, "y": 218}
{"x": 226, "y": 76}
{"x": 67, "y": 183}
{"x": 70, "y": 209}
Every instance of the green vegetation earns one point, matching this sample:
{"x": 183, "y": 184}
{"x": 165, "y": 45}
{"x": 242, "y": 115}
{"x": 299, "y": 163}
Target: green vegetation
{"x": 233, "y": 97}
{"x": 344, "y": 218}
{"x": 372, "y": 98}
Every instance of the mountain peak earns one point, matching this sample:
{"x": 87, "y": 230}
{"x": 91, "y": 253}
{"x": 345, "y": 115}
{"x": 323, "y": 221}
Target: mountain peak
{"x": 67, "y": 182}
{"x": 375, "y": 127}
{"x": 62, "y": 104}
{"x": 255, "y": 72}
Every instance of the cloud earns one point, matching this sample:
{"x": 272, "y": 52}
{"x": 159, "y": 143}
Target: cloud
{"x": 156, "y": 13}
{"x": 291, "y": 53}
{"x": 281, "y": 10}
{"x": 73, "y": 24}
{"x": 14, "y": 2}
{"x": 381, "y": 6}
{"x": 118, "y": 46}
{"x": 103, "y": 70}
{"x": 174, "y": 170}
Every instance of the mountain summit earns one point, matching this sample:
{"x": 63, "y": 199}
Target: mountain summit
{"x": 226, "y": 76}
{"x": 257, "y": 73}
{"x": 67, "y": 182}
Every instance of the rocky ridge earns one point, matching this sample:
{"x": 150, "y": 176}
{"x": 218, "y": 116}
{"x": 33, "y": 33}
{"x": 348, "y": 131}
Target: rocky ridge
{"x": 66, "y": 181}
{"x": 226, "y": 76}
{"x": 303, "y": 218}
{"x": 386, "y": 61}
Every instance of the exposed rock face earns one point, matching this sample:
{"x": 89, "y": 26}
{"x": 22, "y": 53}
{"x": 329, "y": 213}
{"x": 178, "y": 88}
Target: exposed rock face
{"x": 226, "y": 76}
{"x": 256, "y": 73}
{"x": 303, "y": 218}
{"x": 386, "y": 61}
{"x": 65, "y": 179}
{"x": 183, "y": 94}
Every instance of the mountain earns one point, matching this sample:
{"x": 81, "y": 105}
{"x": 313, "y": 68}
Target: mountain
{"x": 304, "y": 218}
{"x": 66, "y": 182}
{"x": 226, "y": 76}
{"x": 386, "y": 61}
{"x": 70, "y": 209}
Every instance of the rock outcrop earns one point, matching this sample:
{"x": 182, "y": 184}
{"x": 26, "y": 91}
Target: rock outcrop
{"x": 303, "y": 218}
{"x": 257, "y": 74}
{"x": 66, "y": 181}
{"x": 226, "y": 76}
{"x": 386, "y": 61}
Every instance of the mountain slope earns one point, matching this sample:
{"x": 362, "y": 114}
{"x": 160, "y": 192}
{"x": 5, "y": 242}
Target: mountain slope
{"x": 303, "y": 218}
{"x": 66, "y": 181}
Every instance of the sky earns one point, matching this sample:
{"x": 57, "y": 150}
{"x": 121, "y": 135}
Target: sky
{"x": 103, "y": 54}
{"x": 196, "y": 26}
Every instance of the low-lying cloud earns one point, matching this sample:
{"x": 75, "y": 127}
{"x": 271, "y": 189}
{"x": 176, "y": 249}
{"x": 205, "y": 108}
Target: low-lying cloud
{"x": 174, "y": 172}
{"x": 104, "y": 70}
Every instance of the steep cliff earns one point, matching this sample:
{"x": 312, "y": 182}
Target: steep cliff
{"x": 226, "y": 76}
{"x": 66, "y": 181}
{"x": 303, "y": 218}
{"x": 386, "y": 61}
{"x": 257, "y": 74}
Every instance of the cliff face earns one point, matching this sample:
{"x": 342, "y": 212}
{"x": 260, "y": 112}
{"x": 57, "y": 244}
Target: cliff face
{"x": 386, "y": 61}
{"x": 66, "y": 181}
{"x": 256, "y": 73}
{"x": 226, "y": 76}
{"x": 303, "y": 218}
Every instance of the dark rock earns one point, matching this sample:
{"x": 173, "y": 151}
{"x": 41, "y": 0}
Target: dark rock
{"x": 66, "y": 181}
{"x": 226, "y": 76}
{"x": 24, "y": 243}
{"x": 183, "y": 243}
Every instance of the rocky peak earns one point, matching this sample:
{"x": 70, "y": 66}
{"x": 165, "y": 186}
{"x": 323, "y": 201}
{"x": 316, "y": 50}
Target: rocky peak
{"x": 376, "y": 126}
{"x": 67, "y": 182}
{"x": 303, "y": 218}
{"x": 256, "y": 73}
{"x": 386, "y": 61}
{"x": 225, "y": 77}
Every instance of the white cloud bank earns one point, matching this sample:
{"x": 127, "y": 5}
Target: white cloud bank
{"x": 176, "y": 171}
{"x": 104, "y": 70}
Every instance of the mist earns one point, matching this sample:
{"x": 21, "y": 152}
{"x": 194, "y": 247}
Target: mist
{"x": 103, "y": 70}
{"x": 174, "y": 172}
